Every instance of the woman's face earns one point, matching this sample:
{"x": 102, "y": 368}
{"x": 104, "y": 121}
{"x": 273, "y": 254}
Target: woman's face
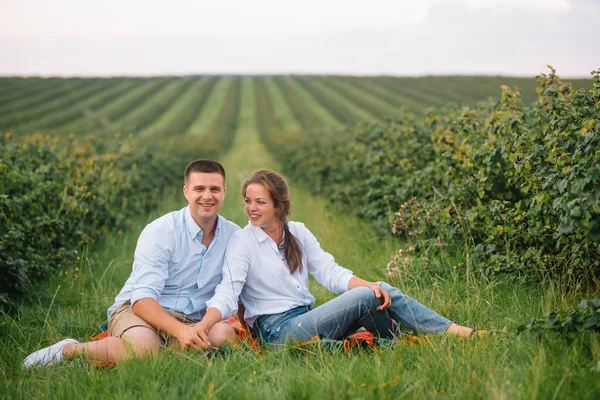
{"x": 259, "y": 207}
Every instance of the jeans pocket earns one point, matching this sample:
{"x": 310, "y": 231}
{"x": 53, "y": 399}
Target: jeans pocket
{"x": 267, "y": 325}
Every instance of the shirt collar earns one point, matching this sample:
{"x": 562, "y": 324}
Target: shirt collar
{"x": 193, "y": 228}
{"x": 259, "y": 234}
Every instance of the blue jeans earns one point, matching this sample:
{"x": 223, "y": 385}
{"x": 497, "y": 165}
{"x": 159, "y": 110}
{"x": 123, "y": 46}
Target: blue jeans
{"x": 342, "y": 316}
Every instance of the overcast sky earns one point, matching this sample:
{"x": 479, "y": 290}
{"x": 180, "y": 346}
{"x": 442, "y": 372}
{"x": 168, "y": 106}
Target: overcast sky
{"x": 398, "y": 37}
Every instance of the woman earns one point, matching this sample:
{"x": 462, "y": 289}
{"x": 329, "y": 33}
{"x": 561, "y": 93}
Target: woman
{"x": 267, "y": 265}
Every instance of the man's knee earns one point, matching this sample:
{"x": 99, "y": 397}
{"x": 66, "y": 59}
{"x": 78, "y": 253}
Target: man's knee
{"x": 221, "y": 334}
{"x": 141, "y": 341}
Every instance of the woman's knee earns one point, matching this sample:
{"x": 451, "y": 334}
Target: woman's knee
{"x": 363, "y": 293}
{"x": 392, "y": 290}
{"x": 365, "y": 297}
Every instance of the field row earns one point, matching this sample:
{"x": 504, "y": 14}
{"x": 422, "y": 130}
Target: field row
{"x": 151, "y": 107}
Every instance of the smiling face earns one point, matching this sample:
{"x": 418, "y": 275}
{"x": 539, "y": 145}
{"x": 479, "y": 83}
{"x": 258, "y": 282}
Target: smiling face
{"x": 205, "y": 193}
{"x": 259, "y": 207}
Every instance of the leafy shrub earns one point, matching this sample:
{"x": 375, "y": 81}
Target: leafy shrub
{"x": 57, "y": 196}
{"x": 585, "y": 317}
{"x": 515, "y": 187}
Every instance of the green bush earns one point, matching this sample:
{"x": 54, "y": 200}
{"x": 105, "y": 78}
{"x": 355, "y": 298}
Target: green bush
{"x": 569, "y": 324}
{"x": 514, "y": 187}
{"x": 57, "y": 196}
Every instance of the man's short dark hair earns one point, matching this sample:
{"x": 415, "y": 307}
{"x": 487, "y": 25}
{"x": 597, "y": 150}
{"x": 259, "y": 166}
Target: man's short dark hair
{"x": 206, "y": 166}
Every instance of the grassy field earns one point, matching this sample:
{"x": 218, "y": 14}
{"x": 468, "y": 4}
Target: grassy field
{"x": 74, "y": 303}
{"x": 167, "y": 105}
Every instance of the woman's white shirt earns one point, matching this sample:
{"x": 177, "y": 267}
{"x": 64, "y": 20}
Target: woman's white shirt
{"x": 255, "y": 272}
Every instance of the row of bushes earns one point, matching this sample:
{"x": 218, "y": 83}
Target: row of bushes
{"x": 58, "y": 196}
{"x": 514, "y": 187}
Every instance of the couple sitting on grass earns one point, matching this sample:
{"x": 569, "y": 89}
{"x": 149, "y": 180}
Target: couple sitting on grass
{"x": 193, "y": 267}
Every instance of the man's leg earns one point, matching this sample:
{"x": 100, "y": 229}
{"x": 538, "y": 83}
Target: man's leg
{"x": 138, "y": 341}
{"x": 129, "y": 336}
{"x": 221, "y": 334}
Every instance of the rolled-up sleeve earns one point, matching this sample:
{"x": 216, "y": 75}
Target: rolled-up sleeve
{"x": 321, "y": 264}
{"x": 235, "y": 270}
{"x": 150, "y": 264}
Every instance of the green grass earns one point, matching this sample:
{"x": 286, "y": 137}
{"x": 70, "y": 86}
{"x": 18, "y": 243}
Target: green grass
{"x": 178, "y": 118}
{"x": 207, "y": 117}
{"x": 281, "y": 111}
{"x": 312, "y": 113}
{"x": 154, "y": 107}
{"x": 509, "y": 366}
{"x": 336, "y": 104}
{"x": 361, "y": 98}
{"x": 47, "y": 92}
{"x": 105, "y": 119}
{"x": 72, "y": 115}
{"x": 389, "y": 96}
{"x": 20, "y": 89}
{"x": 405, "y": 87}
{"x": 64, "y": 97}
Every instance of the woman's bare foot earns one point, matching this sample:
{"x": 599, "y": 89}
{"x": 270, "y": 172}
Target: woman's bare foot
{"x": 464, "y": 331}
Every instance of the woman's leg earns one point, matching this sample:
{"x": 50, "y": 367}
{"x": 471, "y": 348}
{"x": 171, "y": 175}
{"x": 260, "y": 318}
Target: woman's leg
{"x": 337, "y": 319}
{"x": 414, "y": 315}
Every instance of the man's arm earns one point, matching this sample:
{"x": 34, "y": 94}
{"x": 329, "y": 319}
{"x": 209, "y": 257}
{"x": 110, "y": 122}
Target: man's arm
{"x": 224, "y": 302}
{"x": 151, "y": 272}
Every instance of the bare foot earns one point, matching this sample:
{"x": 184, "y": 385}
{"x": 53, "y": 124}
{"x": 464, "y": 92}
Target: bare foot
{"x": 460, "y": 331}
{"x": 465, "y": 331}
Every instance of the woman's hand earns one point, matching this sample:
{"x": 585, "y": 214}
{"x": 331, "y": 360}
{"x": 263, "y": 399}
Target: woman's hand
{"x": 381, "y": 294}
{"x": 386, "y": 299}
{"x": 194, "y": 337}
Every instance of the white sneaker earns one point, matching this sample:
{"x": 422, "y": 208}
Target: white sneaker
{"x": 48, "y": 355}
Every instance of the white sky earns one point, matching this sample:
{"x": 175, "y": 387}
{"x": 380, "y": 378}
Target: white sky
{"x": 399, "y": 37}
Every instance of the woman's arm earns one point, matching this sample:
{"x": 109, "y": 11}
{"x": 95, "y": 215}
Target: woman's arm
{"x": 321, "y": 265}
{"x": 355, "y": 282}
{"x": 328, "y": 273}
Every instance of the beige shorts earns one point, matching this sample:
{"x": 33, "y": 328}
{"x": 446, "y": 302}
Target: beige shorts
{"x": 123, "y": 318}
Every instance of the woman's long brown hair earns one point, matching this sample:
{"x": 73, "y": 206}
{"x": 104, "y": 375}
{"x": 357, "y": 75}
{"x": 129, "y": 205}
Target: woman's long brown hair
{"x": 278, "y": 189}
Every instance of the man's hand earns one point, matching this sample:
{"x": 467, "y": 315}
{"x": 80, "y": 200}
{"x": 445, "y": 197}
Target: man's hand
{"x": 194, "y": 337}
{"x": 381, "y": 294}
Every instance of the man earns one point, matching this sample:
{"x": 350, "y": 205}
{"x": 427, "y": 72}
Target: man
{"x": 177, "y": 265}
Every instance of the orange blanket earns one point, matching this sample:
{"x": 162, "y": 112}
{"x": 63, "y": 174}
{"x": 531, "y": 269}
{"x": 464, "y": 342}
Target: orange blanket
{"x": 359, "y": 339}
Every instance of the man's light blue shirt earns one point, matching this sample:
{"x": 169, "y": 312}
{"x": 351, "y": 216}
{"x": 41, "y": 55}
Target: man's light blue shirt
{"x": 172, "y": 266}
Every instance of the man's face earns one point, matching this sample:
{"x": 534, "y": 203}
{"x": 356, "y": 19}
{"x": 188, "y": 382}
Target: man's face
{"x": 205, "y": 193}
